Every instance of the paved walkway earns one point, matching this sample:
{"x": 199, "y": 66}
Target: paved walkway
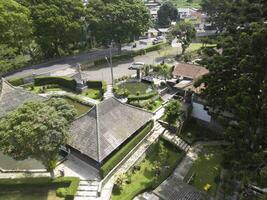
{"x": 177, "y": 141}
{"x": 63, "y": 93}
{"x": 109, "y": 92}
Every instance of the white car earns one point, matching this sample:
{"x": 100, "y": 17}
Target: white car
{"x": 136, "y": 65}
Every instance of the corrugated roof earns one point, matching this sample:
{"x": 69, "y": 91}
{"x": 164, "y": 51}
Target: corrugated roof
{"x": 12, "y": 97}
{"x": 105, "y": 127}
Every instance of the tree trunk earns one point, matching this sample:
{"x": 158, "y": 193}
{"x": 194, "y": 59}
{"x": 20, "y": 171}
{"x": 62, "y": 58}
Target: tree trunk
{"x": 52, "y": 173}
{"x": 119, "y": 48}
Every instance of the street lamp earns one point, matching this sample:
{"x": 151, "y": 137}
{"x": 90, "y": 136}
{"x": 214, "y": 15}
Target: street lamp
{"x": 109, "y": 61}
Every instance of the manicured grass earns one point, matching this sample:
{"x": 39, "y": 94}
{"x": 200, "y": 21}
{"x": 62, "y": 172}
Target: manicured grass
{"x": 152, "y": 106}
{"x": 134, "y": 87}
{"x": 93, "y": 93}
{"x": 206, "y": 169}
{"x": 186, "y": 4}
{"x": 162, "y": 154}
{"x": 195, "y": 132}
{"x": 119, "y": 155}
{"x": 42, "y": 188}
{"x": 196, "y": 46}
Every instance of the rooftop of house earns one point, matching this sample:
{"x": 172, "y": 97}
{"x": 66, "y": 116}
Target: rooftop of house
{"x": 12, "y": 97}
{"x": 105, "y": 127}
{"x": 189, "y": 71}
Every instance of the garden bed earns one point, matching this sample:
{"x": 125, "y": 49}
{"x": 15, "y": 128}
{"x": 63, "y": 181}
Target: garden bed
{"x": 206, "y": 170}
{"x": 159, "y": 163}
{"x": 38, "y": 188}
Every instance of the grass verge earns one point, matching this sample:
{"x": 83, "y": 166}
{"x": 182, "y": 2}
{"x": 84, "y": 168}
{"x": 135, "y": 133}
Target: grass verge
{"x": 159, "y": 163}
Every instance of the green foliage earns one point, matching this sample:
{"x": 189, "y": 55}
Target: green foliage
{"x": 166, "y": 14}
{"x": 36, "y": 130}
{"x": 15, "y": 25}
{"x": 108, "y": 20}
{"x": 61, "y": 81}
{"x": 151, "y": 172}
{"x": 141, "y": 96}
{"x": 173, "y": 112}
{"x": 184, "y": 32}
{"x": 57, "y": 25}
{"x": 16, "y": 81}
{"x": 70, "y": 184}
{"x": 109, "y": 164}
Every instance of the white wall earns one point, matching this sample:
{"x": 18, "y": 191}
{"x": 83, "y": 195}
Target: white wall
{"x": 199, "y": 112}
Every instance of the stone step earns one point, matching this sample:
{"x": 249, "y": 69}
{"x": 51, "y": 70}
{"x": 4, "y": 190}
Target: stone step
{"x": 88, "y": 183}
{"x": 87, "y": 187}
{"x": 84, "y": 198}
{"x": 87, "y": 193}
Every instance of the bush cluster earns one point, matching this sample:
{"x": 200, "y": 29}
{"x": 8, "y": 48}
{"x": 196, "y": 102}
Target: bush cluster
{"x": 61, "y": 81}
{"x": 141, "y": 97}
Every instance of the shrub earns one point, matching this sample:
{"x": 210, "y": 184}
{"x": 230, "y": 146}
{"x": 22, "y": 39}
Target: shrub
{"x": 16, "y": 81}
{"x": 61, "y": 81}
{"x": 61, "y": 192}
{"x": 141, "y": 97}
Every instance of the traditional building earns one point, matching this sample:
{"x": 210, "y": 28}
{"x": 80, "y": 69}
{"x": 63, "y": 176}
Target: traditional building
{"x": 104, "y": 129}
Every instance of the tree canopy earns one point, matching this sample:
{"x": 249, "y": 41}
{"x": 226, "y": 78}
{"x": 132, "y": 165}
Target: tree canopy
{"x": 166, "y": 14}
{"x": 236, "y": 91}
{"x": 117, "y": 20}
{"x": 36, "y": 130}
{"x": 184, "y": 32}
{"x": 173, "y": 111}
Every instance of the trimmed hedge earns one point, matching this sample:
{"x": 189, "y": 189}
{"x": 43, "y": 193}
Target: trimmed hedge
{"x": 141, "y": 97}
{"x": 119, "y": 155}
{"x": 61, "y": 81}
{"x": 16, "y": 81}
{"x": 70, "y": 184}
{"x": 101, "y": 85}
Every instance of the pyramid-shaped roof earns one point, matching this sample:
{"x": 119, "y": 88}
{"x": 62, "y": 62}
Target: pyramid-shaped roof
{"x": 12, "y": 97}
{"x": 105, "y": 127}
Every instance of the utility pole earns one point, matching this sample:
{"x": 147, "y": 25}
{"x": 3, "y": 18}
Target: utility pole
{"x": 109, "y": 61}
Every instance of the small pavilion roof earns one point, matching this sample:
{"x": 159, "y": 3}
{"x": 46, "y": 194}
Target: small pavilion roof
{"x": 105, "y": 127}
{"x": 12, "y": 97}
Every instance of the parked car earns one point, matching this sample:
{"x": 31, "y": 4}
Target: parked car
{"x": 136, "y": 65}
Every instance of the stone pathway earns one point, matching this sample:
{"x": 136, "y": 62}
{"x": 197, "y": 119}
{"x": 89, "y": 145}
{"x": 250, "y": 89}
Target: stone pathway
{"x": 87, "y": 190}
{"x": 63, "y": 93}
{"x": 109, "y": 92}
{"x": 179, "y": 142}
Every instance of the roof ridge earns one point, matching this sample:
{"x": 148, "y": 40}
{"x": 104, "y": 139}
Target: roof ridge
{"x": 97, "y": 134}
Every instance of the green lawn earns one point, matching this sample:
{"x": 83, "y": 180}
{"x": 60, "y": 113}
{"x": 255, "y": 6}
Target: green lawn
{"x": 162, "y": 154}
{"x": 44, "y": 193}
{"x": 134, "y": 87}
{"x": 42, "y": 188}
{"x": 119, "y": 155}
{"x": 186, "y": 4}
{"x": 196, "y": 46}
{"x": 207, "y": 169}
{"x": 152, "y": 106}
{"x": 93, "y": 93}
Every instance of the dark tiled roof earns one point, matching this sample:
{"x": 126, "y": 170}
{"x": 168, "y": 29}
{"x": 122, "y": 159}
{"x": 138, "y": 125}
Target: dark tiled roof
{"x": 12, "y": 97}
{"x": 105, "y": 127}
{"x": 174, "y": 189}
{"x": 189, "y": 71}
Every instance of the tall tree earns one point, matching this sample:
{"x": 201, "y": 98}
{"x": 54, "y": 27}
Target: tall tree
{"x": 15, "y": 25}
{"x": 236, "y": 90}
{"x": 58, "y": 24}
{"x": 166, "y": 14}
{"x": 228, "y": 15}
{"x": 173, "y": 112}
{"x": 184, "y": 32}
{"x": 36, "y": 130}
{"x": 117, "y": 20}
